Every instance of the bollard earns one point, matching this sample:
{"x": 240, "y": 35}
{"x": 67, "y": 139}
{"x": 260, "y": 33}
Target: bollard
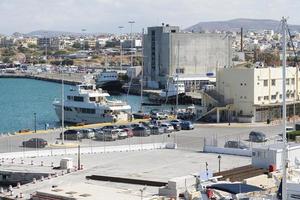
{"x": 12, "y": 161}
{"x": 31, "y": 162}
{"x": 52, "y": 164}
{"x": 81, "y": 167}
{"x": 2, "y": 160}
{"x": 34, "y": 180}
{"x": 56, "y": 174}
{"x": 11, "y": 193}
{"x": 68, "y": 171}
{"x": 10, "y": 188}
{"x": 75, "y": 168}
{"x": 18, "y": 185}
{"x": 42, "y": 163}
{"x": 62, "y": 173}
{"x": 49, "y": 176}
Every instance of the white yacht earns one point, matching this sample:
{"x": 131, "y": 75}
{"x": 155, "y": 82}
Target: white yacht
{"x": 86, "y": 104}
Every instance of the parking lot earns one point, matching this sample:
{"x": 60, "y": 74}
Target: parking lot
{"x": 185, "y": 139}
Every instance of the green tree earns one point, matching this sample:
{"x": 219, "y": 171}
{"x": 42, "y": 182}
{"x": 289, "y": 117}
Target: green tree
{"x": 76, "y": 45}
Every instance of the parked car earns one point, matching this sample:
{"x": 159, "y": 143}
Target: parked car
{"x": 124, "y": 126}
{"x": 168, "y": 128}
{"x": 159, "y": 116}
{"x": 121, "y": 133}
{"x": 176, "y": 123}
{"x": 236, "y": 145}
{"x": 72, "y": 135}
{"x": 134, "y": 125}
{"x": 35, "y": 143}
{"x": 141, "y": 131}
{"x": 146, "y": 124}
{"x": 106, "y": 135}
{"x": 187, "y": 125}
{"x": 109, "y": 127}
{"x": 156, "y": 130}
{"x": 256, "y": 136}
{"x": 128, "y": 131}
{"x": 88, "y": 133}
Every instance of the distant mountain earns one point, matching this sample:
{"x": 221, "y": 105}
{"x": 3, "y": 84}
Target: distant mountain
{"x": 46, "y": 33}
{"x": 236, "y": 24}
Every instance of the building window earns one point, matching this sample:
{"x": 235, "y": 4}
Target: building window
{"x": 292, "y": 95}
{"x": 241, "y": 84}
{"x": 180, "y": 71}
{"x": 293, "y": 81}
{"x": 266, "y": 97}
{"x": 280, "y": 96}
{"x": 273, "y": 82}
{"x": 265, "y": 83}
{"x": 245, "y": 97}
{"x": 287, "y": 81}
{"x": 273, "y": 97}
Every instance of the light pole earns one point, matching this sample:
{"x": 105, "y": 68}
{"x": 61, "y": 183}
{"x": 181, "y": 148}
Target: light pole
{"x": 62, "y": 107}
{"x": 219, "y": 157}
{"x": 142, "y": 192}
{"x": 121, "y": 48}
{"x": 131, "y": 37}
{"x": 34, "y": 122}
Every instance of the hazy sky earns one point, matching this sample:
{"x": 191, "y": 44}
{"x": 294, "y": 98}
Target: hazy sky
{"x": 106, "y": 15}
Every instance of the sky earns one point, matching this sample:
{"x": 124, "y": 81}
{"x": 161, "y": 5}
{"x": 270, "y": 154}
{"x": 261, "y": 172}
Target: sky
{"x": 107, "y": 15}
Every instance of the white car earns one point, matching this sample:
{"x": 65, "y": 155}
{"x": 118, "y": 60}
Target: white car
{"x": 168, "y": 128}
{"x": 122, "y": 134}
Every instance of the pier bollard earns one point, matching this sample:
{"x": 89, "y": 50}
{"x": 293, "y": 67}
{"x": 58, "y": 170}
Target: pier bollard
{"x": 68, "y": 171}
{"x": 11, "y": 193}
{"x": 42, "y": 163}
{"x": 81, "y": 167}
{"x": 49, "y": 176}
{"x": 1, "y": 190}
{"x": 2, "y": 160}
{"x": 62, "y": 172}
{"x": 10, "y": 188}
{"x": 34, "y": 180}
{"x": 12, "y": 161}
{"x": 75, "y": 168}
{"x": 56, "y": 174}
{"x": 18, "y": 185}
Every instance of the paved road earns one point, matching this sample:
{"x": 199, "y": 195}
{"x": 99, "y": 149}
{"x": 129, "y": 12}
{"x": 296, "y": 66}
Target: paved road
{"x": 189, "y": 140}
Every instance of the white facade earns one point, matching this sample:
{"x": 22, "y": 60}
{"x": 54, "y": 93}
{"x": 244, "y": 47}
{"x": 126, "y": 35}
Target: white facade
{"x": 256, "y": 93}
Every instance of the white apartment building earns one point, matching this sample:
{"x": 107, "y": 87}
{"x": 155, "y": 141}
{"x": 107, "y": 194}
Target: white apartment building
{"x": 256, "y": 93}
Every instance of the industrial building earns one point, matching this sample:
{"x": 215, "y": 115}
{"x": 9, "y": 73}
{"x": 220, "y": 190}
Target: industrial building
{"x": 255, "y": 94}
{"x": 168, "y": 51}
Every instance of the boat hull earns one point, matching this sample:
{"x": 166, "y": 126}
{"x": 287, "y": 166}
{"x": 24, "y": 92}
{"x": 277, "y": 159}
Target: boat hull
{"x": 111, "y": 86}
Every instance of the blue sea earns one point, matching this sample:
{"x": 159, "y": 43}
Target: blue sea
{"x": 21, "y": 98}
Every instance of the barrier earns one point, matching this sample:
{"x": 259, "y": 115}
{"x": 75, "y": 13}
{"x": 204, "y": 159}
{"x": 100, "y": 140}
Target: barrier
{"x": 83, "y": 150}
{"x": 230, "y": 151}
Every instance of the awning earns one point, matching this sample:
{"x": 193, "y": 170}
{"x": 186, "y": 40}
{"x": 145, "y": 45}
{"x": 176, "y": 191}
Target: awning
{"x": 235, "y": 188}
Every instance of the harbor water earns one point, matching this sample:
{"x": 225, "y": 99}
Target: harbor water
{"x": 21, "y": 98}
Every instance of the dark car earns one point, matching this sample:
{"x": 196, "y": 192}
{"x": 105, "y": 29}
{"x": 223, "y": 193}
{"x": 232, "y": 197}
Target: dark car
{"x": 35, "y": 143}
{"x": 109, "y": 127}
{"x": 72, "y": 135}
{"x": 256, "y": 136}
{"x": 187, "y": 125}
{"x": 176, "y": 123}
{"x": 236, "y": 145}
{"x": 141, "y": 131}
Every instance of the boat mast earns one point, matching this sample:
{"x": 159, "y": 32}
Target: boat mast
{"x": 142, "y": 72}
{"x": 62, "y": 106}
{"x": 285, "y": 145}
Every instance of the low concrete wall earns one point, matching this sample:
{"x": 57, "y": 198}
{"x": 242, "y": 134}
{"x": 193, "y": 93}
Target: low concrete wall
{"x": 230, "y": 151}
{"x": 84, "y": 150}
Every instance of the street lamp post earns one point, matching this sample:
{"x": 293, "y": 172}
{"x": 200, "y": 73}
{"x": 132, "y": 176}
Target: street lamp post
{"x": 34, "y": 122}
{"x": 219, "y": 157}
{"x": 131, "y": 38}
{"x": 142, "y": 192}
{"x": 121, "y": 48}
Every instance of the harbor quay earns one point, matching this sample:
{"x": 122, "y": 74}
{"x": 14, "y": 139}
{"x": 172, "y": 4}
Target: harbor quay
{"x": 138, "y": 164}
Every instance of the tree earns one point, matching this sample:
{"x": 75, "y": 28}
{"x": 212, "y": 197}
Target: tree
{"x": 76, "y": 45}
{"x": 6, "y": 60}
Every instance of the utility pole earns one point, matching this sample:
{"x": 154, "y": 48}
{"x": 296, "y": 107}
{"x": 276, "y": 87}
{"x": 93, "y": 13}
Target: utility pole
{"x": 62, "y": 105}
{"x": 285, "y": 146}
{"x": 34, "y": 122}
